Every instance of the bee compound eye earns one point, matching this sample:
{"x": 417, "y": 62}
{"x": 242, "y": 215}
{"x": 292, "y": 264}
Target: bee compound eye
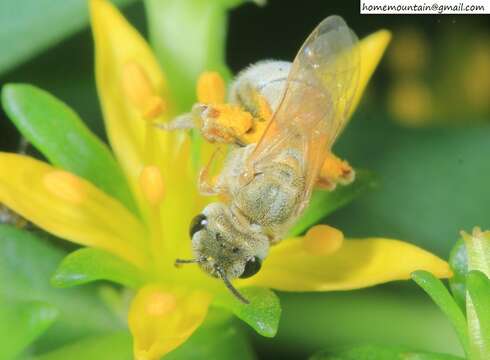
{"x": 198, "y": 223}
{"x": 252, "y": 267}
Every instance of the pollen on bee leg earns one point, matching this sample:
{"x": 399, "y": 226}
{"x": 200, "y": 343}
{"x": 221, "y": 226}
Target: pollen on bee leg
{"x": 151, "y": 183}
{"x": 140, "y": 91}
{"x": 335, "y": 171}
{"x": 160, "y": 303}
{"x": 65, "y": 186}
{"x": 323, "y": 240}
{"x": 225, "y": 123}
{"x": 210, "y": 88}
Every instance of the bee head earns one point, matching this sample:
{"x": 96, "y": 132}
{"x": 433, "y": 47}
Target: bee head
{"x": 223, "y": 248}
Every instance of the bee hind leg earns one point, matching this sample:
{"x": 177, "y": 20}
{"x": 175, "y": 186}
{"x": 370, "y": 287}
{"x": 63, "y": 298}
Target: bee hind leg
{"x": 334, "y": 171}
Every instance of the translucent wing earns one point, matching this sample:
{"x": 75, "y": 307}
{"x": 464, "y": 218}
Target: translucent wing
{"x": 316, "y": 101}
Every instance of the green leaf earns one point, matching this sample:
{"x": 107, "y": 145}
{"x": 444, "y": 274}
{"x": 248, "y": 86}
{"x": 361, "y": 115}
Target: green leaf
{"x": 458, "y": 260}
{"x": 478, "y": 286}
{"x": 440, "y": 295}
{"x": 112, "y": 346}
{"x": 233, "y": 3}
{"x": 375, "y": 352}
{"x": 217, "y": 340}
{"x": 57, "y": 131}
{"x": 386, "y": 314}
{"x": 21, "y": 322}
{"x": 478, "y": 247}
{"x": 325, "y": 202}
{"x": 263, "y": 312}
{"x": 88, "y": 264}
{"x": 28, "y": 27}
{"x": 26, "y": 263}
{"x": 428, "y": 190}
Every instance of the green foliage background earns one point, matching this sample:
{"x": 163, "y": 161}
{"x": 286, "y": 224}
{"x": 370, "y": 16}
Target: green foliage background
{"x": 432, "y": 181}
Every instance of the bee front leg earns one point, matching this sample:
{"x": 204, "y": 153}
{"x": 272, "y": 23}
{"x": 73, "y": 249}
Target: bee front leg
{"x": 208, "y": 184}
{"x": 181, "y": 122}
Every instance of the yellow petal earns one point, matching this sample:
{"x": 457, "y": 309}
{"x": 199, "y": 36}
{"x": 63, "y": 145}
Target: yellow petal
{"x": 357, "y": 264}
{"x": 131, "y": 88}
{"x": 161, "y": 319}
{"x": 371, "y": 50}
{"x": 69, "y": 207}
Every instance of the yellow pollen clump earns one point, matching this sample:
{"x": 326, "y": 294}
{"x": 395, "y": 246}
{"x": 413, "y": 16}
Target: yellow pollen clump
{"x": 160, "y": 304}
{"x": 323, "y": 240}
{"x": 140, "y": 91}
{"x": 210, "y": 88}
{"x": 226, "y": 123}
{"x": 234, "y": 118}
{"x": 335, "y": 171}
{"x": 65, "y": 186}
{"x": 151, "y": 183}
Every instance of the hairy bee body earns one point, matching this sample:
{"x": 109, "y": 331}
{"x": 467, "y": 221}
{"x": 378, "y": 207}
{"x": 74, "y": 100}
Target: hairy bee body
{"x": 267, "y": 78}
{"x": 266, "y": 185}
{"x": 271, "y": 196}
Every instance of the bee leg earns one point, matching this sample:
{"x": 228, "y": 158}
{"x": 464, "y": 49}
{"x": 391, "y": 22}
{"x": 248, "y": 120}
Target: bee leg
{"x": 334, "y": 171}
{"x": 181, "y": 122}
{"x": 211, "y": 185}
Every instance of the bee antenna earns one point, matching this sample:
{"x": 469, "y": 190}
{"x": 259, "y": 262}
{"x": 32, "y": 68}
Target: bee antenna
{"x": 179, "y": 262}
{"x": 230, "y": 286}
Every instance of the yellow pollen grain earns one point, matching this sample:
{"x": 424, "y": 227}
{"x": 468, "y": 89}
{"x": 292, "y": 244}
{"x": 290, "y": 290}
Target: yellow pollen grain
{"x": 211, "y": 88}
{"x": 335, "y": 170}
{"x": 323, "y": 240}
{"x": 140, "y": 92}
{"x": 160, "y": 304}
{"x": 265, "y": 111}
{"x": 65, "y": 186}
{"x": 151, "y": 183}
{"x": 235, "y": 119}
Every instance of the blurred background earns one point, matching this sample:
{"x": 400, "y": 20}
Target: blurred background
{"x": 423, "y": 128}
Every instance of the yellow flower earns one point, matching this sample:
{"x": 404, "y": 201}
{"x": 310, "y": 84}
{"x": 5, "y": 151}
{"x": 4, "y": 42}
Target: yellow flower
{"x": 171, "y": 303}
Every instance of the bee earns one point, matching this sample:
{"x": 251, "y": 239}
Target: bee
{"x": 268, "y": 184}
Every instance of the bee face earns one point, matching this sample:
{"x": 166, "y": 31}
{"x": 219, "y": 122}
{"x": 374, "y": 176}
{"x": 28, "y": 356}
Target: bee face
{"x": 221, "y": 245}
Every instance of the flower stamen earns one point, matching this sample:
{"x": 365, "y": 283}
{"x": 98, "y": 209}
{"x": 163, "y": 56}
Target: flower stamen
{"x": 151, "y": 183}
{"x": 211, "y": 88}
{"x": 160, "y": 304}
{"x": 65, "y": 186}
{"x": 141, "y": 92}
{"x": 323, "y": 240}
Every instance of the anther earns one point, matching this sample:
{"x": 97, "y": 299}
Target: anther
{"x": 151, "y": 184}
{"x": 323, "y": 240}
{"x": 210, "y": 88}
{"x": 141, "y": 92}
{"x": 160, "y": 304}
{"x": 65, "y": 186}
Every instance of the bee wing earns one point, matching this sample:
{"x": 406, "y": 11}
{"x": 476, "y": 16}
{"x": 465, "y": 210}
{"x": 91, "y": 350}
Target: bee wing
{"x": 316, "y": 100}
